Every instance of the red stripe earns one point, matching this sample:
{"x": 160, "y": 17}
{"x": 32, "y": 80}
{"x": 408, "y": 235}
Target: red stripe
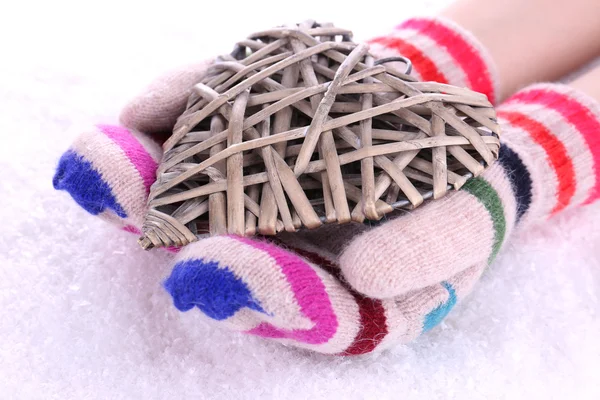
{"x": 578, "y": 115}
{"x": 555, "y": 150}
{"x": 467, "y": 56}
{"x": 373, "y": 326}
{"x": 423, "y": 64}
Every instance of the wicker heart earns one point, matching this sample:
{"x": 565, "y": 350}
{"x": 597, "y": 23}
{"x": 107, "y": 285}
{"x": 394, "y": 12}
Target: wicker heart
{"x": 299, "y": 127}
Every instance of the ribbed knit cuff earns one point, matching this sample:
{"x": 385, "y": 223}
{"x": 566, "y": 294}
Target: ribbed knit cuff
{"x": 442, "y": 51}
{"x": 555, "y": 131}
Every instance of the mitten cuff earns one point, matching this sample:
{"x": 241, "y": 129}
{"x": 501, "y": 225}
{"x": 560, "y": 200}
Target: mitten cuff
{"x": 554, "y": 130}
{"x": 441, "y": 51}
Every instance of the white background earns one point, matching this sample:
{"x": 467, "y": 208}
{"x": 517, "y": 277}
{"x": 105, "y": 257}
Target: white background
{"x": 82, "y": 312}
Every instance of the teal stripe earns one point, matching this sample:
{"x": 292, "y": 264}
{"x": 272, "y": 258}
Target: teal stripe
{"x": 486, "y": 194}
{"x": 436, "y": 315}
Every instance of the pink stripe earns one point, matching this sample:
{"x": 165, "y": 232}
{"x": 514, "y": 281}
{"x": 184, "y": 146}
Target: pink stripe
{"x": 135, "y": 152}
{"x": 309, "y": 292}
{"x": 466, "y": 55}
{"x": 578, "y": 115}
{"x": 132, "y": 229}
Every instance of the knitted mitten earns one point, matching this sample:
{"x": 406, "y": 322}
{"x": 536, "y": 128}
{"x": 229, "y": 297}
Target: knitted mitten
{"x": 109, "y": 169}
{"x": 549, "y": 161}
{"x": 308, "y": 288}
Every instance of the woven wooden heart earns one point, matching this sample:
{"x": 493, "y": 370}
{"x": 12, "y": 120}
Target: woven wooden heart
{"x": 298, "y": 127}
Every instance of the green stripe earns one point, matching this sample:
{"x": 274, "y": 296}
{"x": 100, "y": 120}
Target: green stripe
{"x": 486, "y": 194}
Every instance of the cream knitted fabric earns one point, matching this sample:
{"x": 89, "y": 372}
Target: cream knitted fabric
{"x": 549, "y": 161}
{"x": 155, "y": 110}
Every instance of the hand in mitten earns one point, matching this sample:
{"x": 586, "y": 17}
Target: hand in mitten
{"x": 109, "y": 169}
{"x": 355, "y": 288}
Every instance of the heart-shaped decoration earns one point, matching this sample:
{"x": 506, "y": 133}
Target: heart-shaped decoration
{"x": 299, "y": 126}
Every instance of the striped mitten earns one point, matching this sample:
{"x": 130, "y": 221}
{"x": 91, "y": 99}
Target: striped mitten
{"x": 549, "y": 161}
{"x": 350, "y": 289}
{"x": 108, "y": 170}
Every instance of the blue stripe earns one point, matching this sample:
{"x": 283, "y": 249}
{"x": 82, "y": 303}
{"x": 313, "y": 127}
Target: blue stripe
{"x": 214, "y": 289}
{"x": 436, "y": 315}
{"x": 519, "y": 176}
{"x": 78, "y": 176}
